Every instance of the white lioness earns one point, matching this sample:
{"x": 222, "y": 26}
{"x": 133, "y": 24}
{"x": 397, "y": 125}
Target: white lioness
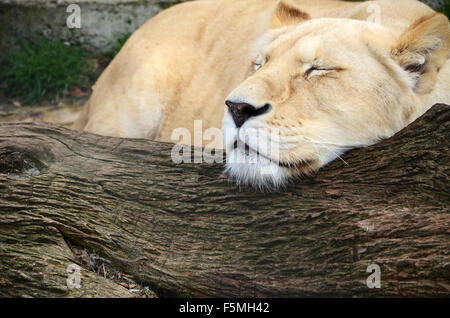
{"x": 327, "y": 75}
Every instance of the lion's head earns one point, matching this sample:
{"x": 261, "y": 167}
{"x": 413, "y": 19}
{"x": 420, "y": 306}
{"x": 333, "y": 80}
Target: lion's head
{"x": 323, "y": 86}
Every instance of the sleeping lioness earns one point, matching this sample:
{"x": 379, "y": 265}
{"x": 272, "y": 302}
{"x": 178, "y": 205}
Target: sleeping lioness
{"x": 327, "y": 75}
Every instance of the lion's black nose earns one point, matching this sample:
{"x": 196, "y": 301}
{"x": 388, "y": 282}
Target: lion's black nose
{"x": 243, "y": 111}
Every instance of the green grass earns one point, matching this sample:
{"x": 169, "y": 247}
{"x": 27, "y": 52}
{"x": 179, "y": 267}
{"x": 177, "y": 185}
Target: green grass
{"x": 43, "y": 69}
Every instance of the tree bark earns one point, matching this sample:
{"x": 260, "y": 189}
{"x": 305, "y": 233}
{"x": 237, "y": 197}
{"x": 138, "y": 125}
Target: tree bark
{"x": 184, "y": 230}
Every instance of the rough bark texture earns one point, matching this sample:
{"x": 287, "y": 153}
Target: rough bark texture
{"x": 185, "y": 231}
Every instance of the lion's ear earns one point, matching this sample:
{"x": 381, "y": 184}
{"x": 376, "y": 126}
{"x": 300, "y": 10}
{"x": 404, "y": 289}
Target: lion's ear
{"x": 287, "y": 14}
{"x": 423, "y": 49}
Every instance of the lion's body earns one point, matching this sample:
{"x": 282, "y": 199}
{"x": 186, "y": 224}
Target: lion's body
{"x": 181, "y": 65}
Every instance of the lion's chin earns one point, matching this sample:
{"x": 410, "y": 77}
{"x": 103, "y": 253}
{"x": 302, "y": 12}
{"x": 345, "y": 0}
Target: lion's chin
{"x": 251, "y": 170}
{"x": 256, "y": 175}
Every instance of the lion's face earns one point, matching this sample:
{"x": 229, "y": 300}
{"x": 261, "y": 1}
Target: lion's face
{"x": 314, "y": 91}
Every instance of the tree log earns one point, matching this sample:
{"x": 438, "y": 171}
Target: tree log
{"x": 184, "y": 230}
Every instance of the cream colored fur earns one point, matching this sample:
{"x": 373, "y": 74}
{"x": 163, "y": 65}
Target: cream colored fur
{"x": 371, "y": 79}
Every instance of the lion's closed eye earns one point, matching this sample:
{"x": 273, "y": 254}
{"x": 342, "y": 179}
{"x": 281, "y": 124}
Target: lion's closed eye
{"x": 315, "y": 70}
